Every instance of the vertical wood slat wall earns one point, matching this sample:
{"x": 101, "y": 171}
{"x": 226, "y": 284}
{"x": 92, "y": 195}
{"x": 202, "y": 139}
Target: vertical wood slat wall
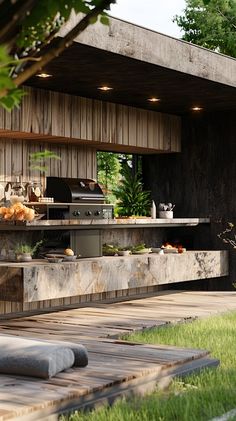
{"x": 53, "y": 114}
{"x": 9, "y": 309}
{"x": 61, "y": 115}
{"x": 76, "y": 161}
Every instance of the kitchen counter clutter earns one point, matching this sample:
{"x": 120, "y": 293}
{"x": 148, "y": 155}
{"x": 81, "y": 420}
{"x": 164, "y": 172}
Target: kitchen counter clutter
{"x": 40, "y": 280}
{"x": 47, "y": 224}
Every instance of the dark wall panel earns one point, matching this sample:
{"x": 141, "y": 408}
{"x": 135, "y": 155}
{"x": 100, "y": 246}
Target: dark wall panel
{"x": 201, "y": 180}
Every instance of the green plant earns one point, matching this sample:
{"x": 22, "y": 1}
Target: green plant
{"x": 132, "y": 200}
{"x": 108, "y": 173}
{"x": 37, "y": 160}
{"x": 139, "y": 247}
{"x": 210, "y": 23}
{"x": 124, "y": 248}
{"x": 22, "y": 248}
{"x": 109, "y": 249}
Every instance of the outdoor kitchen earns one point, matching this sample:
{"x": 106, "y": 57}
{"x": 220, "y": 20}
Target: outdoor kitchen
{"x": 64, "y": 213}
{"x": 72, "y": 223}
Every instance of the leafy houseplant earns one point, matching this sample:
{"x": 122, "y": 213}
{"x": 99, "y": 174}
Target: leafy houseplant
{"x": 37, "y": 160}
{"x": 24, "y": 252}
{"x": 132, "y": 200}
{"x": 166, "y": 210}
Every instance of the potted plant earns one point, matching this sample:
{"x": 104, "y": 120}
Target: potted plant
{"x": 132, "y": 200}
{"x": 166, "y": 210}
{"x": 140, "y": 249}
{"x": 124, "y": 251}
{"x": 24, "y": 252}
{"x": 109, "y": 249}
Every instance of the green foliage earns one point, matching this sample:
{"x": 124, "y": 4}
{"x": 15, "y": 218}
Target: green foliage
{"x": 37, "y": 160}
{"x": 11, "y": 95}
{"x": 211, "y": 24}
{"x": 108, "y": 173}
{"x": 132, "y": 200}
{"x": 27, "y": 248}
{"x": 34, "y": 30}
{"x": 47, "y": 17}
{"x": 139, "y": 247}
{"x": 12, "y": 98}
{"x": 109, "y": 249}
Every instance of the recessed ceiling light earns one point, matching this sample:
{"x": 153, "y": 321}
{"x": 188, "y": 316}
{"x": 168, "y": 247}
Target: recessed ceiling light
{"x": 44, "y": 75}
{"x": 196, "y": 108}
{"x": 105, "y": 88}
{"x": 153, "y": 99}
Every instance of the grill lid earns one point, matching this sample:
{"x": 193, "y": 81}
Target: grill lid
{"x": 74, "y": 190}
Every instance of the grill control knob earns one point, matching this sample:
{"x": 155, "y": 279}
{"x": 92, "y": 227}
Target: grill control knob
{"x": 97, "y": 213}
{"x": 76, "y": 213}
{"x": 88, "y": 213}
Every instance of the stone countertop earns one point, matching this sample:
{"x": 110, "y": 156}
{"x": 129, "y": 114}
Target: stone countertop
{"x": 108, "y": 259}
{"x": 102, "y": 223}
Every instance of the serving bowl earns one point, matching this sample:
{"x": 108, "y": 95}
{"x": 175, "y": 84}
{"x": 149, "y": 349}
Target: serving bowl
{"x": 55, "y": 259}
{"x": 124, "y": 252}
{"x": 142, "y": 251}
{"x": 69, "y": 258}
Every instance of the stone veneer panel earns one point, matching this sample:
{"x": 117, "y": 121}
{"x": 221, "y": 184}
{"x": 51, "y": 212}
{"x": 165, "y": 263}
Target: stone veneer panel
{"x": 38, "y": 280}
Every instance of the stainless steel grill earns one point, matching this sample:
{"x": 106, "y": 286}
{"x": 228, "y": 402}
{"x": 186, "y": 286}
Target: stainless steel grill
{"x": 74, "y": 190}
{"x": 79, "y": 199}
{"x": 84, "y": 199}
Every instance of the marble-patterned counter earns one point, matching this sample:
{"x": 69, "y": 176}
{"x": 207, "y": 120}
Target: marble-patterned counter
{"x": 71, "y": 224}
{"x": 39, "y": 280}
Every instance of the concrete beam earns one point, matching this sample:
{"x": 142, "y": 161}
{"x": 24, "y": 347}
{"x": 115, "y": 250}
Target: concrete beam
{"x": 152, "y": 47}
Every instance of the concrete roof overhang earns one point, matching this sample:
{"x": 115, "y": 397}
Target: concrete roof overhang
{"x": 138, "y": 64}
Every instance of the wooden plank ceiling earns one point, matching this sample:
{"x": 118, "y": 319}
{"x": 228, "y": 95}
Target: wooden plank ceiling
{"x": 81, "y": 69}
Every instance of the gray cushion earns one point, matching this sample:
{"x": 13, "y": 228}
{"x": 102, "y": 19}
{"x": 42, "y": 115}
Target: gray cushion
{"x": 33, "y": 358}
{"x": 80, "y": 352}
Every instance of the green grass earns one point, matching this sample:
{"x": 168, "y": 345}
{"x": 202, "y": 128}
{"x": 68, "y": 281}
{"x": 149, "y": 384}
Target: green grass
{"x": 199, "y": 397}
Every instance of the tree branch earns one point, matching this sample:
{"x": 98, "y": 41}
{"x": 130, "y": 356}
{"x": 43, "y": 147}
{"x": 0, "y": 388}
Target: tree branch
{"x": 62, "y": 43}
{"x": 17, "y": 14}
{"x": 225, "y": 17}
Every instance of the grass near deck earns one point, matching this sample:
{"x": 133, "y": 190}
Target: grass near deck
{"x": 197, "y": 397}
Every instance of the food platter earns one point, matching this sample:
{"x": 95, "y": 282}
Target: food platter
{"x": 142, "y": 251}
{"x": 58, "y": 258}
{"x": 55, "y": 255}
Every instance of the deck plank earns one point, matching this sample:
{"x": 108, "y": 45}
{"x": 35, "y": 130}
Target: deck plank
{"x": 115, "y": 366}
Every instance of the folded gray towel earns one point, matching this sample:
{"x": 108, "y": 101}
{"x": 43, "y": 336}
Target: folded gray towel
{"x": 33, "y": 357}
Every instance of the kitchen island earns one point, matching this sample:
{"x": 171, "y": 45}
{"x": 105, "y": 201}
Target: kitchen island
{"x": 40, "y": 280}
{"x": 39, "y": 285}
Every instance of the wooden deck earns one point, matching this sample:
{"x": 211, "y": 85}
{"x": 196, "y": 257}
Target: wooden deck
{"x": 115, "y": 367}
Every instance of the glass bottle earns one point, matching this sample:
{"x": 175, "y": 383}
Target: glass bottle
{"x": 34, "y": 191}
{"x": 17, "y": 192}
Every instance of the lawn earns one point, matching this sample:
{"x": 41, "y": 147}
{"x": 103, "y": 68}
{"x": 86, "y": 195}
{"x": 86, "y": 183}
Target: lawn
{"x": 198, "y": 397}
